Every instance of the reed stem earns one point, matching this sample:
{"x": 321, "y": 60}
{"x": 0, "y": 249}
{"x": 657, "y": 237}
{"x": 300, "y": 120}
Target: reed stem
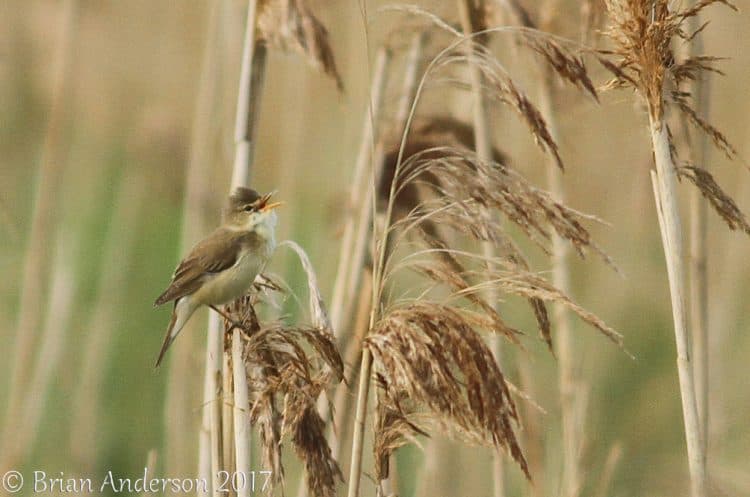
{"x": 342, "y": 285}
{"x": 570, "y": 413}
{"x": 699, "y": 318}
{"x": 241, "y": 417}
{"x": 355, "y": 470}
{"x": 665, "y": 194}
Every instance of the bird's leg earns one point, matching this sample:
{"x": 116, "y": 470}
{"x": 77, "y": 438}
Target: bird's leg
{"x": 226, "y": 316}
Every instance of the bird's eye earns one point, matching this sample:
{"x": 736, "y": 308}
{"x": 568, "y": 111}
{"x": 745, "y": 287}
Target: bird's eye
{"x": 248, "y": 208}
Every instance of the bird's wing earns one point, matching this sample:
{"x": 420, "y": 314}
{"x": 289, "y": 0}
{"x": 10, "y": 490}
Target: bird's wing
{"x": 215, "y": 253}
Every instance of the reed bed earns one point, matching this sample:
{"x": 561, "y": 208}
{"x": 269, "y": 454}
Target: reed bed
{"x": 429, "y": 321}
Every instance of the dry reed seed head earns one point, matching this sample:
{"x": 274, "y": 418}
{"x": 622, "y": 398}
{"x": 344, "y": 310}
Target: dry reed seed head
{"x": 458, "y": 193}
{"x": 680, "y": 99}
{"x": 426, "y": 136}
{"x": 499, "y": 86}
{"x": 722, "y": 203}
{"x": 506, "y": 276}
{"x": 324, "y": 341}
{"x": 642, "y": 32}
{"x": 567, "y": 64}
{"x": 287, "y": 368}
{"x": 431, "y": 354}
{"x": 393, "y": 429}
{"x": 467, "y": 187}
{"x": 285, "y": 379}
{"x": 290, "y": 25}
{"x": 307, "y": 430}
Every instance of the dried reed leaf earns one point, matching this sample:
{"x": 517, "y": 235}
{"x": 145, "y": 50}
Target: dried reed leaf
{"x": 722, "y": 203}
{"x": 290, "y": 25}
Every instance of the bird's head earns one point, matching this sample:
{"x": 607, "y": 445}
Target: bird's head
{"x": 248, "y": 211}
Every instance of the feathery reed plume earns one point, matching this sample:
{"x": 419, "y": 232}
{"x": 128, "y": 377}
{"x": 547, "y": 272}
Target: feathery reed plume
{"x": 285, "y": 369}
{"x": 463, "y": 201}
{"x": 289, "y": 25}
{"x": 642, "y": 33}
{"x": 392, "y": 429}
{"x": 37, "y": 259}
{"x": 408, "y": 332}
{"x": 285, "y": 382}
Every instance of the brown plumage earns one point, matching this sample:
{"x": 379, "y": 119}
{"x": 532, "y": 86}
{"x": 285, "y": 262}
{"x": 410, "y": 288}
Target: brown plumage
{"x": 222, "y": 266}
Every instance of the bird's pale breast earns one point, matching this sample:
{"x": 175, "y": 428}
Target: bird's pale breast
{"x": 225, "y": 286}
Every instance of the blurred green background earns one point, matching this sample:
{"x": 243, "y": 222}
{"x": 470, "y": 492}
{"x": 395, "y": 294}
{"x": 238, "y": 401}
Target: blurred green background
{"x": 123, "y": 144}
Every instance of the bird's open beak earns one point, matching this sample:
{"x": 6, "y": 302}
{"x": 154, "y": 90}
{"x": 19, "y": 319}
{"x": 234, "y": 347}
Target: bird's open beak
{"x": 265, "y": 205}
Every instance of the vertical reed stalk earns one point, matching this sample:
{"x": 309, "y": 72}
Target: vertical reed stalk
{"x": 358, "y": 437}
{"x": 241, "y": 416}
{"x": 227, "y": 415}
{"x": 571, "y": 476}
{"x": 366, "y": 219}
{"x": 352, "y": 355}
{"x": 151, "y": 458}
{"x": 483, "y": 148}
{"x": 178, "y": 405}
{"x": 252, "y": 73}
{"x": 341, "y": 287}
{"x": 665, "y": 194}
{"x": 212, "y": 404}
{"x": 699, "y": 318}
{"x": 36, "y": 264}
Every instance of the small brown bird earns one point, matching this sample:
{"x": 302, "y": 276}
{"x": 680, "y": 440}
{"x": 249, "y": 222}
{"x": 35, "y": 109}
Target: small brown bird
{"x": 222, "y": 266}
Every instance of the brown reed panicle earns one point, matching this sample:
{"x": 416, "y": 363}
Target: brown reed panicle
{"x": 432, "y": 355}
{"x": 393, "y": 429}
{"x": 428, "y": 349}
{"x": 722, "y": 203}
{"x": 642, "y": 32}
{"x": 464, "y": 188}
{"x": 290, "y": 25}
{"x": 288, "y": 367}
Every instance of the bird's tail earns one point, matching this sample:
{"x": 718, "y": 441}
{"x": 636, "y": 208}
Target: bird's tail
{"x": 180, "y": 315}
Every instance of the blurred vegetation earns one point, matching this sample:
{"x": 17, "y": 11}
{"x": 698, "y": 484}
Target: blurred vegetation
{"x": 135, "y": 67}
